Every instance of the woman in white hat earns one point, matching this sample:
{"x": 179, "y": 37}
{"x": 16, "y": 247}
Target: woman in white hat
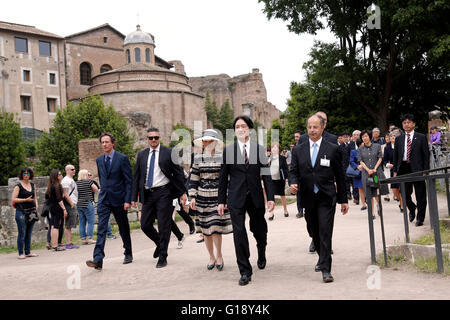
{"x": 203, "y": 194}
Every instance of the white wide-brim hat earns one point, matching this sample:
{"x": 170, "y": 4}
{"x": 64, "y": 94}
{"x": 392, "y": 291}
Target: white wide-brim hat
{"x": 209, "y": 135}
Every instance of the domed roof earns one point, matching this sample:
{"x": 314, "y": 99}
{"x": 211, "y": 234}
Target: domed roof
{"x": 138, "y": 36}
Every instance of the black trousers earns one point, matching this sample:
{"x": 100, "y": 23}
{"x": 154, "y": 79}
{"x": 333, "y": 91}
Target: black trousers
{"x": 320, "y": 219}
{"x": 420, "y": 190}
{"x": 183, "y": 214}
{"x": 355, "y": 191}
{"x": 258, "y": 226}
{"x": 158, "y": 205}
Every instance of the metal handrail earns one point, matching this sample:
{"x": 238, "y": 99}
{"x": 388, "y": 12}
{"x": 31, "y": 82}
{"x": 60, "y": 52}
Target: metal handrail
{"x": 374, "y": 191}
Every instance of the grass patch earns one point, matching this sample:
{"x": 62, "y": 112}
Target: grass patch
{"x": 429, "y": 238}
{"x": 394, "y": 261}
{"x": 430, "y": 265}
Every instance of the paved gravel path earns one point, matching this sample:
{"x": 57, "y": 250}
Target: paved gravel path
{"x": 289, "y": 273}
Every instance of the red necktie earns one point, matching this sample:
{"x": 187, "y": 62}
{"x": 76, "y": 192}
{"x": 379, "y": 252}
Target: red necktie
{"x": 245, "y": 157}
{"x": 408, "y": 150}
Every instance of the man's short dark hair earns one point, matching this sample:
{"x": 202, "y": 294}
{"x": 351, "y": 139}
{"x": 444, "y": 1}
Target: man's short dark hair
{"x": 298, "y": 131}
{"x": 345, "y": 133}
{"x": 246, "y": 119}
{"x": 26, "y": 169}
{"x": 104, "y": 134}
{"x": 409, "y": 117}
{"x": 359, "y": 142}
{"x": 152, "y": 129}
{"x": 363, "y": 132}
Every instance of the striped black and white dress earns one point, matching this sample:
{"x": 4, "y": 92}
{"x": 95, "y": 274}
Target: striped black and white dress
{"x": 204, "y": 187}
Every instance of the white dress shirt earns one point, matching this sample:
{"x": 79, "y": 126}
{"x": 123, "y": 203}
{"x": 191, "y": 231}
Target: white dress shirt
{"x": 159, "y": 179}
{"x": 311, "y": 147}
{"x": 411, "y": 136}
{"x": 247, "y": 148}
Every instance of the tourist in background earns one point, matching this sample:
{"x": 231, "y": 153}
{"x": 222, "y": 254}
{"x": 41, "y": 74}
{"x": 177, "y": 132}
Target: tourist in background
{"x": 25, "y": 200}
{"x": 279, "y": 173}
{"x": 70, "y": 187}
{"x": 376, "y": 136}
{"x": 58, "y": 212}
{"x": 86, "y": 188}
{"x": 357, "y": 184}
{"x": 388, "y": 162}
{"x": 370, "y": 158}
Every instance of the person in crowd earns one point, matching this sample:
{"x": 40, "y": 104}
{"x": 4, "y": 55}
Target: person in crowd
{"x": 371, "y": 158}
{"x": 317, "y": 166}
{"x": 353, "y": 146}
{"x": 279, "y": 172}
{"x": 203, "y": 194}
{"x": 326, "y": 135}
{"x": 435, "y": 140}
{"x": 114, "y": 173}
{"x": 391, "y": 127}
{"x": 388, "y": 162}
{"x": 86, "y": 214}
{"x": 357, "y": 184}
{"x": 387, "y": 138}
{"x": 289, "y": 155}
{"x": 58, "y": 212}
{"x": 344, "y": 148}
{"x": 158, "y": 180}
{"x": 26, "y": 204}
{"x": 411, "y": 154}
{"x": 300, "y": 213}
{"x": 376, "y": 138}
{"x": 386, "y": 170}
{"x": 340, "y": 139}
{"x": 70, "y": 187}
{"x": 240, "y": 189}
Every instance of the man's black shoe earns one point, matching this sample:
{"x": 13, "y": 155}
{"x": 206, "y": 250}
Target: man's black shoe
{"x": 312, "y": 248}
{"x": 244, "y": 280}
{"x": 128, "y": 259}
{"x": 317, "y": 268}
{"x": 418, "y": 223}
{"x": 162, "y": 262}
{"x": 327, "y": 277}
{"x": 96, "y": 265}
{"x": 261, "y": 263}
{"x": 191, "y": 229}
{"x": 156, "y": 253}
{"x": 300, "y": 214}
{"x": 412, "y": 216}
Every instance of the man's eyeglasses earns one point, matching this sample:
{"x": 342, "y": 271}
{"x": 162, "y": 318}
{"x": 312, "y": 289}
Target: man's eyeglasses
{"x": 153, "y": 138}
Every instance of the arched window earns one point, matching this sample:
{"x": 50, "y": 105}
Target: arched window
{"x": 128, "y": 56}
{"x": 137, "y": 54}
{"x": 105, "y": 68}
{"x": 85, "y": 74}
{"x": 147, "y": 55}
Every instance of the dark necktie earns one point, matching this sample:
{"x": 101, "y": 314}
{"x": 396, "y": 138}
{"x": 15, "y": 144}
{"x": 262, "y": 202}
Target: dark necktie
{"x": 151, "y": 169}
{"x": 408, "y": 148}
{"x": 313, "y": 162}
{"x": 245, "y": 157}
{"x": 107, "y": 163}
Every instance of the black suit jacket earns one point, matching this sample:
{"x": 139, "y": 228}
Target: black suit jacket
{"x": 325, "y": 135}
{"x": 420, "y": 154}
{"x": 303, "y": 174}
{"x": 115, "y": 184}
{"x": 284, "y": 170}
{"x": 171, "y": 170}
{"x": 235, "y": 180}
{"x": 345, "y": 154}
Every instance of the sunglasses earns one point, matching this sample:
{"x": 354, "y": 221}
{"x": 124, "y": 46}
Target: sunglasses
{"x": 27, "y": 174}
{"x": 153, "y": 138}
{"x": 72, "y": 169}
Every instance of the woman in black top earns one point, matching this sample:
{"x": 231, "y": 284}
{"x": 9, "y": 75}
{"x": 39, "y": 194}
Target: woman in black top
{"x": 58, "y": 211}
{"x": 24, "y": 199}
{"x": 279, "y": 172}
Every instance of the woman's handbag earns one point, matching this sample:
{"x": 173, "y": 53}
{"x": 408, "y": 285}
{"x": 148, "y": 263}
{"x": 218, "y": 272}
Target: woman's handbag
{"x": 354, "y": 173}
{"x": 46, "y": 209}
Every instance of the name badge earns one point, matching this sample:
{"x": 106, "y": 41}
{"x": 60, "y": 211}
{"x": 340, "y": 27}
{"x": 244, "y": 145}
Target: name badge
{"x": 324, "y": 162}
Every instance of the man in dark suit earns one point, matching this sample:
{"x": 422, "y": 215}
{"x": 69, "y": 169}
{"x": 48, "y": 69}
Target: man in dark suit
{"x": 411, "y": 154}
{"x": 316, "y": 165}
{"x": 114, "y": 173}
{"x": 244, "y": 162}
{"x": 326, "y": 135}
{"x": 158, "y": 180}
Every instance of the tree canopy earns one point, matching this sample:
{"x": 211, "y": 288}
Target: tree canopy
{"x": 75, "y": 122}
{"x": 11, "y": 148}
{"x": 403, "y": 66}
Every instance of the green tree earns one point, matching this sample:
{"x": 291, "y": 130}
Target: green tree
{"x": 403, "y": 66}
{"x": 276, "y": 125}
{"x": 75, "y": 122}
{"x": 11, "y": 148}
{"x": 225, "y": 118}
{"x": 212, "y": 112}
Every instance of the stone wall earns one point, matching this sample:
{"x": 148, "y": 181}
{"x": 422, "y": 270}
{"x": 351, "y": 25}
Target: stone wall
{"x": 88, "y": 151}
{"x": 247, "y": 94}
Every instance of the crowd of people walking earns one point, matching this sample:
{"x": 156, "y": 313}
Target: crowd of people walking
{"x": 224, "y": 183}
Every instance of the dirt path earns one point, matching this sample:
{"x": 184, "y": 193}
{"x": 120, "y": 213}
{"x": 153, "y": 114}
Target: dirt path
{"x": 289, "y": 273}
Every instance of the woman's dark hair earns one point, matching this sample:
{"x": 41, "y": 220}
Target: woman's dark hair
{"x": 109, "y": 135}
{"x": 26, "y": 169}
{"x": 359, "y": 142}
{"x": 54, "y": 181}
{"x": 246, "y": 119}
{"x": 363, "y": 132}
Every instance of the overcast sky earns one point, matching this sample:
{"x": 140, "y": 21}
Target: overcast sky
{"x": 208, "y": 36}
